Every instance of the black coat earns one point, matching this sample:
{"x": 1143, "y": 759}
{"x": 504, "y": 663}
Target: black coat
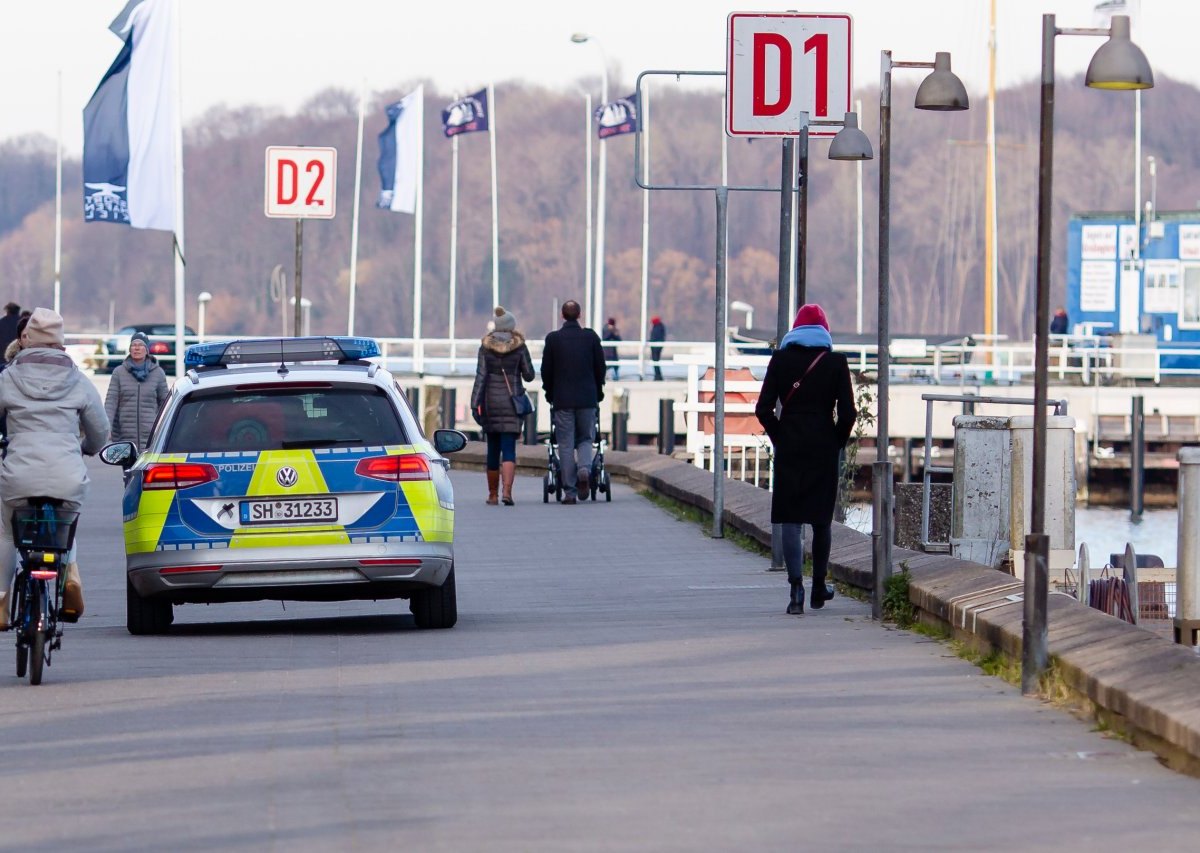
{"x": 807, "y": 439}
{"x": 573, "y": 368}
{"x": 8, "y": 330}
{"x": 502, "y": 356}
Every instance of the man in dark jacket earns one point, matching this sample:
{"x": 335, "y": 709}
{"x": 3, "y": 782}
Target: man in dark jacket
{"x": 8, "y": 325}
{"x": 573, "y": 382}
{"x": 658, "y": 334}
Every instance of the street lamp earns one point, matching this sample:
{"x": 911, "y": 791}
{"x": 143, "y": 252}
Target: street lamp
{"x": 587, "y": 193}
{"x": 1118, "y": 65}
{"x": 202, "y": 301}
{"x": 941, "y": 90}
{"x": 602, "y": 171}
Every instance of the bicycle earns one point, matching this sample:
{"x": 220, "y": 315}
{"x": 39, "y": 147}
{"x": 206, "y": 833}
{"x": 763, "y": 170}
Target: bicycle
{"x": 43, "y": 533}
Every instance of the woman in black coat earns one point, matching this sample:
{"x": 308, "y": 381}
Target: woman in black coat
{"x": 503, "y": 367}
{"x": 812, "y": 383}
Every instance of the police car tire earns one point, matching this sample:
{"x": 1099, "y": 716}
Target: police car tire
{"x": 146, "y": 615}
{"x": 436, "y": 607}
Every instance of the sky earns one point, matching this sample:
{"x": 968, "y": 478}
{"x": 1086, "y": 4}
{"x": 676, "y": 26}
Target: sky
{"x": 278, "y": 53}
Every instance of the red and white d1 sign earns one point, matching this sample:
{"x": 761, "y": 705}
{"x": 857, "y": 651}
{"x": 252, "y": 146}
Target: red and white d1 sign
{"x": 301, "y": 182}
{"x": 782, "y": 64}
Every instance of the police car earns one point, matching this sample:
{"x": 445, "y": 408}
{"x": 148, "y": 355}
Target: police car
{"x": 290, "y": 469}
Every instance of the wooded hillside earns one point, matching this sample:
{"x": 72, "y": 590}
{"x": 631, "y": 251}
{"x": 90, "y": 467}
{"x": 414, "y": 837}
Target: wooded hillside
{"x": 937, "y": 215}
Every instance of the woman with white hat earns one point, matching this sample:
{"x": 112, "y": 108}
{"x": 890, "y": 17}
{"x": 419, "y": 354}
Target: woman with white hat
{"x": 54, "y": 417}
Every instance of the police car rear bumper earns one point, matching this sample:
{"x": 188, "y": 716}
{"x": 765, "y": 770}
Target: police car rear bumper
{"x": 299, "y": 574}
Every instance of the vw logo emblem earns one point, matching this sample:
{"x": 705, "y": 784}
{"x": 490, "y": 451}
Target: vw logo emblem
{"x": 287, "y": 476}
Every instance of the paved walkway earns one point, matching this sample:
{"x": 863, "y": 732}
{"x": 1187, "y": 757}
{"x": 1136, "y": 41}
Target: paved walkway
{"x": 617, "y": 681}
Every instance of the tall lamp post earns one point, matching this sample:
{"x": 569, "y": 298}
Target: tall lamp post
{"x": 202, "y": 301}
{"x": 587, "y": 193}
{"x": 1118, "y": 65}
{"x": 598, "y": 276}
{"x": 941, "y": 90}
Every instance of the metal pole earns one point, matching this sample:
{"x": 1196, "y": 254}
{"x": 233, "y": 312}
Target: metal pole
{"x": 782, "y": 319}
{"x": 858, "y": 269}
{"x": 802, "y": 214}
{"x": 666, "y": 426}
{"x": 299, "y": 258}
{"x": 529, "y": 426}
{"x": 1129, "y": 573}
{"x": 1187, "y": 572}
{"x": 350, "y": 308}
{"x": 587, "y": 185}
{"x": 601, "y": 196}
{"x": 882, "y": 556}
{"x": 452, "y": 329}
{"x": 448, "y": 408}
{"x": 722, "y": 194}
{"x": 1034, "y": 654}
{"x": 1137, "y": 459}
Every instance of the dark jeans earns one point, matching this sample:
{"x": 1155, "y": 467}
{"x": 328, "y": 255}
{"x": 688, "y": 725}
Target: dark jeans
{"x": 655, "y": 355}
{"x": 793, "y": 551}
{"x": 500, "y": 445}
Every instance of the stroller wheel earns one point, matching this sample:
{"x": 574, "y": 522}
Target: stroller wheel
{"x": 607, "y": 486}
{"x": 546, "y": 489}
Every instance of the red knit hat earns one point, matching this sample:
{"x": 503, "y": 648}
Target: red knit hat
{"x": 811, "y": 315}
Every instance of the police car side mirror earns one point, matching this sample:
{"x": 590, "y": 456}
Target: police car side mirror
{"x": 448, "y": 440}
{"x": 123, "y": 453}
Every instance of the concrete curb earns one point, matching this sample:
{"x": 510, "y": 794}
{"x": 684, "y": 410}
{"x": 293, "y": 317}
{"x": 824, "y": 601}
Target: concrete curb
{"x": 1131, "y": 678}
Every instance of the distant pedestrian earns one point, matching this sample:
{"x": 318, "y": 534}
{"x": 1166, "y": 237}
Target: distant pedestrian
{"x": 808, "y": 380}
{"x": 658, "y": 334}
{"x": 502, "y": 369}
{"x": 8, "y": 325}
{"x": 573, "y": 376}
{"x": 1060, "y": 322}
{"x": 611, "y": 356}
{"x": 136, "y": 394}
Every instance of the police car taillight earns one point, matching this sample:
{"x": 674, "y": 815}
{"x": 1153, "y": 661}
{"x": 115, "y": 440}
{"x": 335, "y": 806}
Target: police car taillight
{"x": 395, "y": 469}
{"x": 177, "y": 475}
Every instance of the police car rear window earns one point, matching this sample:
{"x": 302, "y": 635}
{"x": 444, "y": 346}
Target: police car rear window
{"x": 244, "y": 419}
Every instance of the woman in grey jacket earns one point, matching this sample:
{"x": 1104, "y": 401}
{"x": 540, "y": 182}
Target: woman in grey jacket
{"x": 54, "y": 417}
{"x": 136, "y": 394}
{"x": 504, "y": 366}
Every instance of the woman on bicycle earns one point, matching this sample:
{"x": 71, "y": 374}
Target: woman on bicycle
{"x": 54, "y": 417}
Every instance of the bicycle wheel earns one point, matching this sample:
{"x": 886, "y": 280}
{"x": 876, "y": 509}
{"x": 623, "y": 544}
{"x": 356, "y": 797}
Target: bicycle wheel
{"x": 37, "y": 643}
{"x": 18, "y": 613}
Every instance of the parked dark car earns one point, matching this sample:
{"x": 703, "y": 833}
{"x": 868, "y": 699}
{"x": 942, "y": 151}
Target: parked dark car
{"x": 112, "y": 350}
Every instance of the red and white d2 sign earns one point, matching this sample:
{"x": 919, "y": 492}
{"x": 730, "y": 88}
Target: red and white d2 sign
{"x": 301, "y": 182}
{"x": 782, "y": 64}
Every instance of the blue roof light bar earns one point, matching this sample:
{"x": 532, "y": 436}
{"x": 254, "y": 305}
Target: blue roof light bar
{"x": 280, "y": 351}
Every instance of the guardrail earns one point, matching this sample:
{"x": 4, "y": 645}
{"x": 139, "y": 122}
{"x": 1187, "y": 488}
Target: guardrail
{"x": 1083, "y": 359}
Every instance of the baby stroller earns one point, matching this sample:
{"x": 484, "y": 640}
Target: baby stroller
{"x": 598, "y": 480}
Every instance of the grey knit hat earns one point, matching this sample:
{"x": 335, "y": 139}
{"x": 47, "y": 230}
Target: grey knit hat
{"x": 504, "y": 321}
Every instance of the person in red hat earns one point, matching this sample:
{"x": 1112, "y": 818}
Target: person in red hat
{"x": 805, "y": 383}
{"x": 658, "y": 334}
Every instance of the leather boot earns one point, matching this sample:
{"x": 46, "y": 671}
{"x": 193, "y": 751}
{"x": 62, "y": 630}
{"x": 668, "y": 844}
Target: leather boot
{"x": 72, "y": 603}
{"x": 4, "y": 612}
{"x": 508, "y": 472}
{"x": 796, "y": 605}
{"x": 493, "y": 478}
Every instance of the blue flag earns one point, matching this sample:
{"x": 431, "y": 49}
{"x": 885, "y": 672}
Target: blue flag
{"x": 400, "y": 153}
{"x": 466, "y": 115}
{"x": 129, "y": 125}
{"x": 617, "y": 117}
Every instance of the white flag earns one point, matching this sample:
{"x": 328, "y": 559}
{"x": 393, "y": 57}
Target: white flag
{"x": 400, "y": 153}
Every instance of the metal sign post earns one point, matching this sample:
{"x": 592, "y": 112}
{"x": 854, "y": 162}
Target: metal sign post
{"x": 301, "y": 183}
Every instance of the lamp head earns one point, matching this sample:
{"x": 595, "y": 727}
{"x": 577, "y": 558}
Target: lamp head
{"x": 1119, "y": 64}
{"x": 850, "y": 142}
{"x": 204, "y": 296}
{"x": 942, "y": 90}
{"x": 580, "y": 38}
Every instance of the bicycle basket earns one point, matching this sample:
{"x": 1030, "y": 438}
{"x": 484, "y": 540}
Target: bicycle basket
{"x": 44, "y": 528}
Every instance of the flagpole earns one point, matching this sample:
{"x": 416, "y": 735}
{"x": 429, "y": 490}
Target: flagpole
{"x": 598, "y": 279}
{"x": 180, "y": 290}
{"x": 858, "y": 314}
{"x": 418, "y": 350}
{"x": 58, "y": 208}
{"x": 453, "y": 243}
{"x": 587, "y": 243}
{"x": 362, "y": 105}
{"x": 644, "y": 118}
{"x": 495, "y": 200}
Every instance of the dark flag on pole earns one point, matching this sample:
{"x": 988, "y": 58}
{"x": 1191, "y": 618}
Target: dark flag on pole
{"x": 617, "y": 117}
{"x": 466, "y": 115}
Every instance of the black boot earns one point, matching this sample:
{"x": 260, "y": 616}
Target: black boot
{"x": 796, "y": 605}
{"x": 821, "y": 592}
